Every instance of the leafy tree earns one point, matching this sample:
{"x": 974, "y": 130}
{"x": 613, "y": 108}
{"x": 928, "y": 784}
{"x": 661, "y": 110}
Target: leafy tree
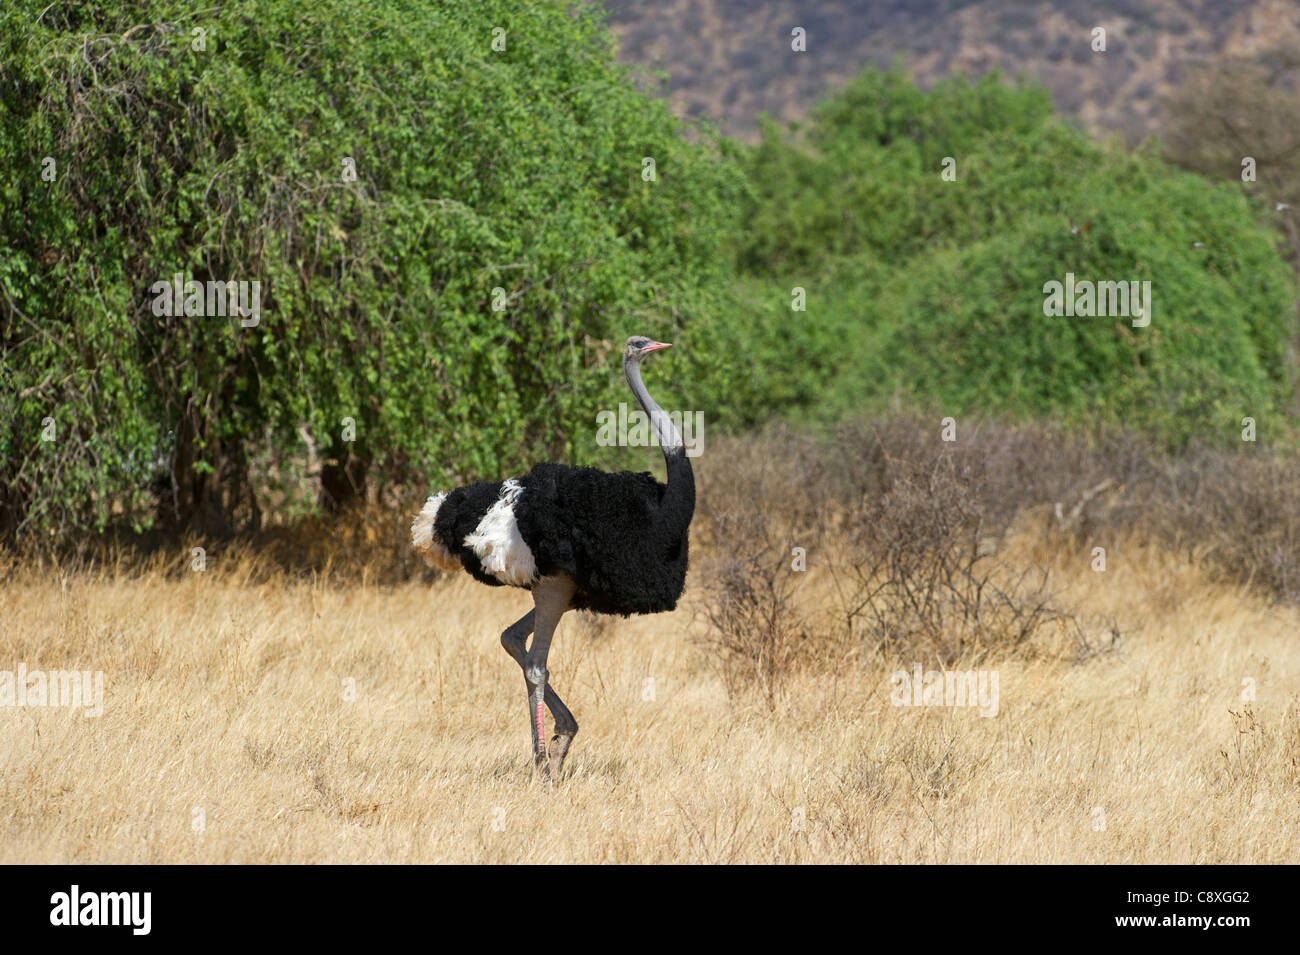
{"x": 932, "y": 287}
{"x": 212, "y": 144}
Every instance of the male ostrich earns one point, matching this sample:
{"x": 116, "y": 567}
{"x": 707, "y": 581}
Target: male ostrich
{"x": 578, "y": 538}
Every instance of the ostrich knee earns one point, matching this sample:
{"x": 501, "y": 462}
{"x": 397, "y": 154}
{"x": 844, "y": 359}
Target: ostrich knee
{"x": 513, "y": 638}
{"x": 536, "y": 676}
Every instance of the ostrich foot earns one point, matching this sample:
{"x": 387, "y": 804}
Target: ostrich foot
{"x": 559, "y": 748}
{"x": 541, "y": 769}
{"x": 566, "y": 727}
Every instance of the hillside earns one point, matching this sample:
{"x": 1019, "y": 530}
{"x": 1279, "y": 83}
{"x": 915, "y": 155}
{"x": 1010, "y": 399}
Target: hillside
{"x": 731, "y": 59}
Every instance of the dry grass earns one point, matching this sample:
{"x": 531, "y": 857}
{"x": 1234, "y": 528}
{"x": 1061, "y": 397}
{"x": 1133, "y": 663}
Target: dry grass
{"x": 224, "y": 693}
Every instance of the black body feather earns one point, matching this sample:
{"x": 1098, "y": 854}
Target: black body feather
{"x": 622, "y": 537}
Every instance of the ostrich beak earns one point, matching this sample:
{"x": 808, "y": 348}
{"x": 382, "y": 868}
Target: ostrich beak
{"x": 655, "y": 346}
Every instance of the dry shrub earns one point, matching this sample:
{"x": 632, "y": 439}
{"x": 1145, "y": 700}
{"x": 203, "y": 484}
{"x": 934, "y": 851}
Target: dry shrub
{"x": 754, "y": 620}
{"x": 1234, "y": 510}
{"x": 752, "y": 514}
{"x": 921, "y": 575}
{"x": 901, "y": 524}
{"x": 1238, "y": 510}
{"x": 909, "y": 529}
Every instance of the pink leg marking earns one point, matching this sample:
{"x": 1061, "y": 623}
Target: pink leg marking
{"x": 541, "y": 729}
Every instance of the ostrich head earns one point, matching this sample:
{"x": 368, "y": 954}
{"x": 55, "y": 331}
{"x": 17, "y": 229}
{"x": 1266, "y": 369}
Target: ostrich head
{"x": 638, "y": 346}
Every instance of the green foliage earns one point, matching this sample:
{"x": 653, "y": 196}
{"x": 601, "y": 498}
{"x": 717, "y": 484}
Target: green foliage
{"x": 476, "y": 169}
{"x": 521, "y": 170}
{"x": 934, "y": 289}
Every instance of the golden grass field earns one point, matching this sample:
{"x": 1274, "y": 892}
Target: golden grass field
{"x": 227, "y": 696}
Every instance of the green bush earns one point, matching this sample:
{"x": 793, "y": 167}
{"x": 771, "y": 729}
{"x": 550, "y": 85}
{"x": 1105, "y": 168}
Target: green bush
{"x": 934, "y": 289}
{"x": 212, "y": 146}
{"x": 476, "y": 169}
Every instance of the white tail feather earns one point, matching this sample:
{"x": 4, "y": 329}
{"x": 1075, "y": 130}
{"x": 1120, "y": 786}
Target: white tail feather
{"x": 425, "y": 539}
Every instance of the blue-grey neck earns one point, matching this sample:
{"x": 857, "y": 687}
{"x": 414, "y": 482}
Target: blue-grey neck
{"x": 678, "y": 503}
{"x": 670, "y": 438}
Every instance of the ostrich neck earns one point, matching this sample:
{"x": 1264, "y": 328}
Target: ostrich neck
{"x": 681, "y": 480}
{"x": 669, "y": 437}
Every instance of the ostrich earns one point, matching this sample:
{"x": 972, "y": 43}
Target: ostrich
{"x": 577, "y": 538}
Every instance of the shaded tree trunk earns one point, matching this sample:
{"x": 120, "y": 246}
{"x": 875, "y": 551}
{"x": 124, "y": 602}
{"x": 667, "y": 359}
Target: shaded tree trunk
{"x": 343, "y": 482}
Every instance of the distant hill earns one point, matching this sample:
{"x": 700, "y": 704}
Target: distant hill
{"x": 731, "y": 59}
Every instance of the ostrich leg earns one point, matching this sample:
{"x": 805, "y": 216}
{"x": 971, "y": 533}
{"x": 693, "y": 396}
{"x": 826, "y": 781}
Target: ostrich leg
{"x": 515, "y": 639}
{"x": 551, "y": 598}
